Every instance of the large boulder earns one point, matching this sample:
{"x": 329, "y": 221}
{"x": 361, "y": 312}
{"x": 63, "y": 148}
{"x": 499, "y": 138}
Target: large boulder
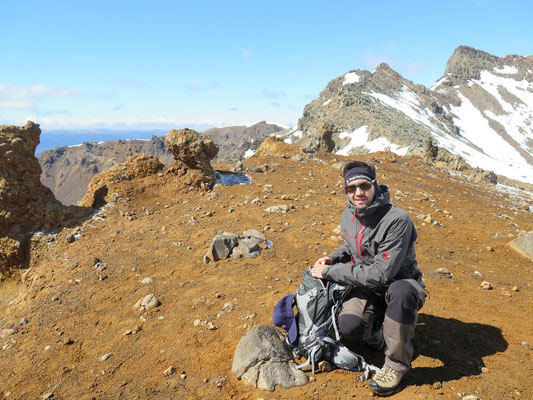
{"x": 192, "y": 153}
{"x": 263, "y": 359}
{"x": 523, "y": 245}
{"x": 192, "y": 149}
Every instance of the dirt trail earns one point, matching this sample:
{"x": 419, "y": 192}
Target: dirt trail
{"x": 469, "y": 340}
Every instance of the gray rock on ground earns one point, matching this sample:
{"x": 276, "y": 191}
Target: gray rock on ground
{"x": 523, "y": 245}
{"x": 226, "y": 244}
{"x": 262, "y": 359}
{"x": 254, "y": 233}
{"x": 281, "y": 208}
{"x": 247, "y": 247}
{"x": 222, "y": 245}
{"x": 148, "y": 302}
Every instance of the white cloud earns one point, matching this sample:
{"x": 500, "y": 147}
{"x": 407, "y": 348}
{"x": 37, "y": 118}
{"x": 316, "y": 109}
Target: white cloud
{"x": 24, "y": 97}
{"x": 16, "y": 105}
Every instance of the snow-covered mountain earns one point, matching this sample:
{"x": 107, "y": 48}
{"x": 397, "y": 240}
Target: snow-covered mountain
{"x": 481, "y": 109}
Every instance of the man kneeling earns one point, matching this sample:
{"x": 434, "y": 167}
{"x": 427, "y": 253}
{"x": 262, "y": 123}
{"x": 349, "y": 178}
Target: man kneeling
{"x": 378, "y": 258}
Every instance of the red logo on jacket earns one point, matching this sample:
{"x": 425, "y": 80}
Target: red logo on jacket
{"x": 386, "y": 255}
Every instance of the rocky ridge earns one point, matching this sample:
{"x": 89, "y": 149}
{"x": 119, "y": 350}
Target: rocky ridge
{"x": 479, "y": 110}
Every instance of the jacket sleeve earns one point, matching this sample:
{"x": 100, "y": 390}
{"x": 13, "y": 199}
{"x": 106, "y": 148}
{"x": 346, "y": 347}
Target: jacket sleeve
{"x": 342, "y": 254}
{"x": 391, "y": 256}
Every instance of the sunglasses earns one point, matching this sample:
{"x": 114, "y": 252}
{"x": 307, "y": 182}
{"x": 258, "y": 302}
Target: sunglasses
{"x": 363, "y": 186}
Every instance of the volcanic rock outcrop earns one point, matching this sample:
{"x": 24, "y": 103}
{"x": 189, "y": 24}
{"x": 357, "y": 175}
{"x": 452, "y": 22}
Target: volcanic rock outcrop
{"x": 26, "y": 205}
{"x": 69, "y": 170}
{"x": 101, "y": 189}
{"x": 192, "y": 154}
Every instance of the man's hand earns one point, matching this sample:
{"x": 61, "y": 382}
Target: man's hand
{"x": 320, "y": 265}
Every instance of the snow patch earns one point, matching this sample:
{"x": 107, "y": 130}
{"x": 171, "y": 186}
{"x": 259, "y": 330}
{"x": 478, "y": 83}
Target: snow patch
{"x": 225, "y": 178}
{"x": 359, "y": 138}
{"x": 350, "y": 77}
{"x": 326, "y": 102}
{"x": 507, "y": 69}
{"x": 497, "y": 154}
{"x": 409, "y": 104}
{"x": 248, "y": 153}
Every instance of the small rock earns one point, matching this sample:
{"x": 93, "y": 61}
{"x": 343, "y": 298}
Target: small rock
{"x": 197, "y": 322}
{"x": 70, "y": 238}
{"x": 486, "y": 285}
{"x": 437, "y": 385}
{"x": 128, "y": 332}
{"x": 281, "y": 208}
{"x": 169, "y": 371}
{"x": 23, "y": 321}
{"x": 148, "y": 302}
{"x": 106, "y": 356}
{"x": 48, "y": 395}
{"x": 183, "y": 375}
{"x": 211, "y": 326}
{"x": 470, "y": 397}
{"x": 515, "y": 289}
{"x": 6, "y": 332}
{"x": 147, "y": 281}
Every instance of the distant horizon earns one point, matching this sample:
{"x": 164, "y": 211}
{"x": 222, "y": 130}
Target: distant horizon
{"x": 54, "y": 138}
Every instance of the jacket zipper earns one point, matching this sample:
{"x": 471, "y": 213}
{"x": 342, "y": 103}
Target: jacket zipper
{"x": 359, "y": 237}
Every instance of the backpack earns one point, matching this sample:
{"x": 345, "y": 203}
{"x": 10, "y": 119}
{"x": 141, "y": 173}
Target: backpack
{"x": 318, "y": 302}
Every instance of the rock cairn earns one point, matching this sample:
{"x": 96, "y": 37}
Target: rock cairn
{"x": 229, "y": 244}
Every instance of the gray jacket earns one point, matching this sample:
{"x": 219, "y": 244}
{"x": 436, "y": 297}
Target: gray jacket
{"x": 379, "y": 247}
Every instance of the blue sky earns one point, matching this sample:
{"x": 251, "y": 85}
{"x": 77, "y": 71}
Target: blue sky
{"x": 167, "y": 64}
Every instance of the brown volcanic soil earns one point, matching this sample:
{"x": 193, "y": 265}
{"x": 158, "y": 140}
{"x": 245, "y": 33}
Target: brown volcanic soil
{"x": 470, "y": 340}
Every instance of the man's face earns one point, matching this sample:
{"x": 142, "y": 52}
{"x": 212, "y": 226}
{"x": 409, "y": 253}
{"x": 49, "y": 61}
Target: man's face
{"x": 361, "y": 198}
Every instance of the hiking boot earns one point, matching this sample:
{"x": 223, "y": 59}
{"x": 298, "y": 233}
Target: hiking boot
{"x": 376, "y": 342}
{"x": 386, "y": 381}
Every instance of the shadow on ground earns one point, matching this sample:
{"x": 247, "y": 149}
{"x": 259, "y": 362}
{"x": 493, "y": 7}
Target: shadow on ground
{"x": 460, "y": 346}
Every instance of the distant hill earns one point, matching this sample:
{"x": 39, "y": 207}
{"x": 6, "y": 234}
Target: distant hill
{"x": 480, "y": 109}
{"x": 67, "y": 171}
